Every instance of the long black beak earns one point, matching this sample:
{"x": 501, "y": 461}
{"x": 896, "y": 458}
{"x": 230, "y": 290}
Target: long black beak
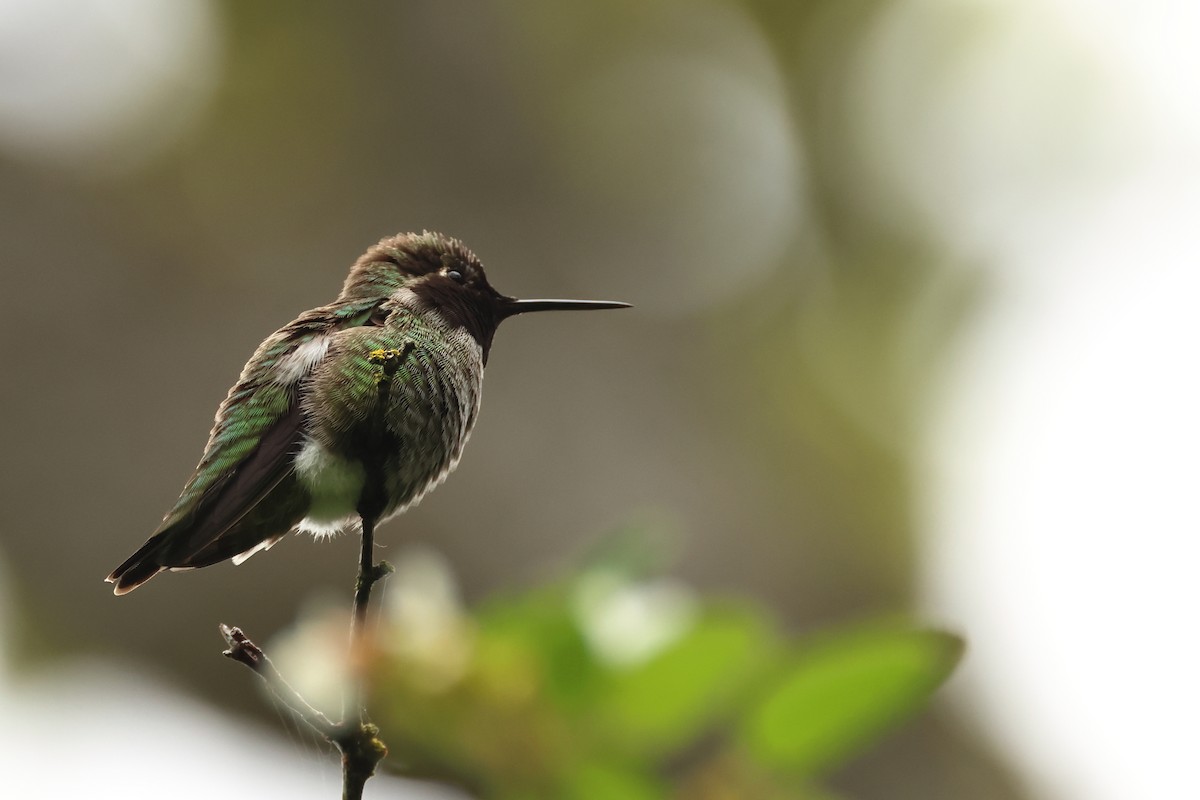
{"x": 510, "y": 306}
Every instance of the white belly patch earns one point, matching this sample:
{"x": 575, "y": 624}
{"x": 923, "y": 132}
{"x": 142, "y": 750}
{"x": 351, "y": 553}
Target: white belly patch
{"x": 334, "y": 484}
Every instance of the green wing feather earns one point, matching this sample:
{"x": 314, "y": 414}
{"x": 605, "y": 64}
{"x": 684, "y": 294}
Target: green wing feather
{"x": 258, "y": 430}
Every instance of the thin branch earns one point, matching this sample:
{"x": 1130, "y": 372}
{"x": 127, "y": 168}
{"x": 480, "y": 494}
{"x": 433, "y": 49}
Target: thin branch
{"x": 361, "y": 750}
{"x": 354, "y": 704}
{"x": 244, "y": 651}
{"x": 357, "y": 739}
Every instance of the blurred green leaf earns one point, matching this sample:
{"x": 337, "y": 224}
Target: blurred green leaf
{"x": 844, "y": 692}
{"x": 600, "y": 781}
{"x": 724, "y": 708}
{"x": 540, "y": 627}
{"x": 666, "y": 702}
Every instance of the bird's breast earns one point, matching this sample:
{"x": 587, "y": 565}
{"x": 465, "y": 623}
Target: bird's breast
{"x": 397, "y": 406}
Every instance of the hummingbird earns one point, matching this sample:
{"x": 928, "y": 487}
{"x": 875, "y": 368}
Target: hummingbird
{"x": 346, "y": 415}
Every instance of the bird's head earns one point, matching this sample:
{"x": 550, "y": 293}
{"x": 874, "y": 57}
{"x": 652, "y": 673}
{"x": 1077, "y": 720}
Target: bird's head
{"x": 432, "y": 271}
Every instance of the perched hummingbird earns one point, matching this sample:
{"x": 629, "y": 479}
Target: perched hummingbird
{"x": 350, "y": 412}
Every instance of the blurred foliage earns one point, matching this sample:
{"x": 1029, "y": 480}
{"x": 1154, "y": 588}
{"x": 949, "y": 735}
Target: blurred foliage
{"x": 619, "y": 683}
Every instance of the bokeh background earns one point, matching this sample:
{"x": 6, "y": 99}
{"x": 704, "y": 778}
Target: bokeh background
{"x": 914, "y": 333}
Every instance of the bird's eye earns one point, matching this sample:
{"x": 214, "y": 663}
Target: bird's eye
{"x": 455, "y": 276}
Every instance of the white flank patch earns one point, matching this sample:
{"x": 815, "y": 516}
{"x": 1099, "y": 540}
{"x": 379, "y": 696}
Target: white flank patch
{"x": 335, "y": 485}
{"x": 298, "y": 363}
{"x": 265, "y": 544}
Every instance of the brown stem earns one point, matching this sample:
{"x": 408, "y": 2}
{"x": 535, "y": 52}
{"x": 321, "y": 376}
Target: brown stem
{"x": 357, "y": 739}
{"x": 361, "y": 750}
{"x": 244, "y": 651}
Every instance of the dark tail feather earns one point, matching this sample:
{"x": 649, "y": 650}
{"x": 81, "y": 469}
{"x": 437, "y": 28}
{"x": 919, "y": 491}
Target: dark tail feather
{"x": 139, "y": 567}
{"x": 231, "y": 517}
{"x": 217, "y": 536}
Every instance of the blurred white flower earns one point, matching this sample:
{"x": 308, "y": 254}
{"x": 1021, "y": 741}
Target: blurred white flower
{"x": 313, "y": 654}
{"x": 425, "y": 623}
{"x": 627, "y": 623}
